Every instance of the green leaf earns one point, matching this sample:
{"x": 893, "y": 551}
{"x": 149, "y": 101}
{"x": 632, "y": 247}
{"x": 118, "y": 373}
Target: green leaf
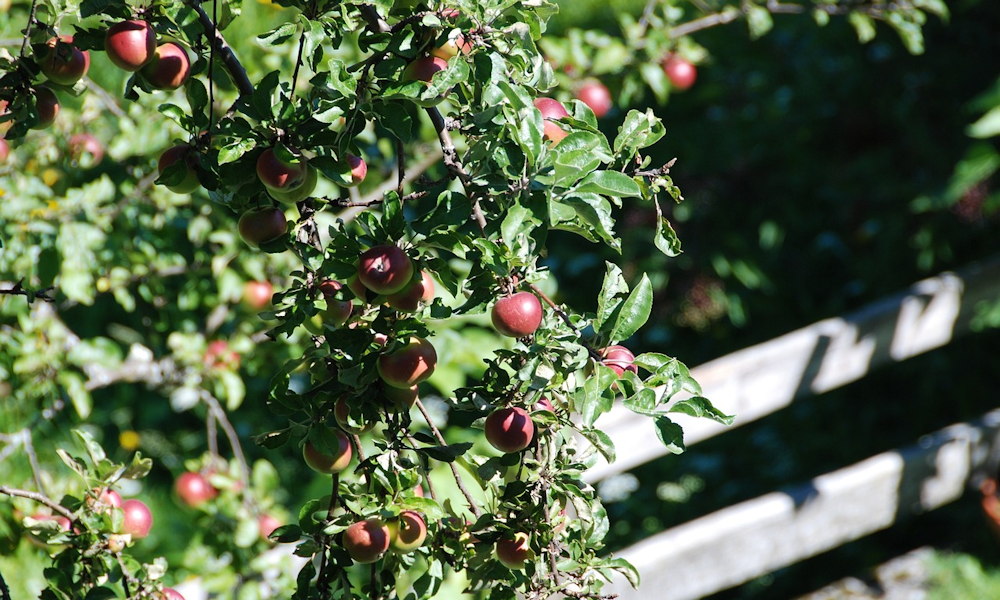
{"x": 864, "y": 26}
{"x": 759, "y": 20}
{"x": 699, "y": 406}
{"x": 610, "y": 183}
{"x": 446, "y": 453}
{"x": 627, "y": 569}
{"x": 633, "y": 313}
{"x": 670, "y": 434}
{"x": 601, "y": 441}
{"x": 263, "y": 95}
{"x": 986, "y": 126}
{"x": 76, "y": 389}
{"x": 613, "y": 287}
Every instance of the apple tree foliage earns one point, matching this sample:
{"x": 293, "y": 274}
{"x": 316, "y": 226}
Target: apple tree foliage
{"x": 120, "y": 293}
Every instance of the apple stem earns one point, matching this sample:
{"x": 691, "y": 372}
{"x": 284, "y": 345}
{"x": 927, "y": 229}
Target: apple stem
{"x": 40, "y": 498}
{"x": 454, "y": 470}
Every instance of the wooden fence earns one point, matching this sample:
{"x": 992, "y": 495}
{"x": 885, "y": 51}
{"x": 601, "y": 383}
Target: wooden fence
{"x": 738, "y": 543}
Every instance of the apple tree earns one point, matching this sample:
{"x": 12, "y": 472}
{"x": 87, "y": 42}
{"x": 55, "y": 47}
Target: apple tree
{"x": 307, "y": 211}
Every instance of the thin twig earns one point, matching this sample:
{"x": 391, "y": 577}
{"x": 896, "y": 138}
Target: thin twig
{"x": 234, "y": 441}
{"x": 40, "y": 498}
{"x": 36, "y": 470}
{"x": 27, "y": 28}
{"x": 126, "y": 576}
{"x": 562, "y": 314}
{"x": 212, "y": 434}
{"x": 298, "y": 61}
{"x": 106, "y": 98}
{"x": 4, "y": 590}
{"x": 454, "y": 470}
{"x": 233, "y": 64}
{"x": 19, "y": 290}
{"x": 455, "y": 165}
{"x": 426, "y": 469}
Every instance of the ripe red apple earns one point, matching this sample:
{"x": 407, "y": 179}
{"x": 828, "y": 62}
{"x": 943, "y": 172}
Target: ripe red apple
{"x": 337, "y": 311}
{"x": 409, "y": 365}
{"x": 401, "y": 398}
{"x": 138, "y": 519}
{"x": 359, "y": 169}
{"x": 424, "y": 68}
{"x": 420, "y": 289}
{"x": 219, "y": 356}
{"x": 47, "y": 106}
{"x": 680, "y": 72}
{"x": 597, "y": 96}
{"x": 407, "y": 532}
{"x": 64, "y": 522}
{"x": 171, "y": 594}
{"x": 456, "y": 43}
{"x": 278, "y": 175}
{"x": 619, "y": 358}
{"x": 518, "y": 315}
{"x": 62, "y": 62}
{"x": 385, "y": 269}
{"x": 257, "y": 294}
{"x": 323, "y": 463}
{"x": 300, "y": 193}
{"x": 366, "y": 541}
{"x": 342, "y": 412}
{"x": 4, "y": 150}
{"x": 105, "y": 500}
{"x": 194, "y": 489}
{"x": 510, "y": 429}
{"x": 130, "y": 44}
{"x": 552, "y": 110}
{"x": 169, "y": 68}
{"x": 84, "y": 144}
{"x": 261, "y": 225}
{"x": 514, "y": 552}
{"x": 267, "y": 524}
{"x": 185, "y": 153}
{"x": 4, "y": 125}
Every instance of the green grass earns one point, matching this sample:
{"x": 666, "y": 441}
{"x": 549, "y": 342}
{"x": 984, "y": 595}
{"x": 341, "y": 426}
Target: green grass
{"x": 956, "y": 576}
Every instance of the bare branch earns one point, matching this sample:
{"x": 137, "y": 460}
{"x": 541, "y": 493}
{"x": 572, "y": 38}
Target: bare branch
{"x": 454, "y": 470}
{"x": 40, "y": 498}
{"x": 18, "y": 289}
{"x": 233, "y": 64}
{"x": 234, "y": 440}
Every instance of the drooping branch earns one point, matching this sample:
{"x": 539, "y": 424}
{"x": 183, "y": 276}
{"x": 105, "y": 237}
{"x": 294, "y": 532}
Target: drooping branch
{"x": 776, "y": 7}
{"x": 233, "y": 64}
{"x": 454, "y": 470}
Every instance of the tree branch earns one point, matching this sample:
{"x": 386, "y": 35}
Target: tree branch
{"x": 454, "y": 470}
{"x": 18, "y": 289}
{"x": 40, "y": 498}
{"x": 455, "y": 165}
{"x": 234, "y": 440}
{"x": 233, "y": 64}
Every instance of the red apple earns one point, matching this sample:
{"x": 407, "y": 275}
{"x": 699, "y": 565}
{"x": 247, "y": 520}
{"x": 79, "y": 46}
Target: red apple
{"x": 342, "y": 413}
{"x": 408, "y": 365}
{"x": 337, "y": 311}
{"x": 359, "y": 169}
{"x": 510, "y": 429}
{"x": 401, "y": 398}
{"x": 385, "y": 269}
{"x": 278, "y": 175}
{"x": 4, "y": 150}
{"x": 456, "y": 43}
{"x": 47, "y": 106}
{"x": 138, "y": 519}
{"x": 597, "y": 96}
{"x": 360, "y": 291}
{"x": 130, "y": 44}
{"x": 680, "y": 72}
{"x": 171, "y": 594}
{"x": 104, "y": 501}
{"x": 4, "y": 125}
{"x": 619, "y": 358}
{"x": 407, "y": 532}
{"x": 323, "y": 463}
{"x": 194, "y": 489}
{"x": 267, "y": 524}
{"x": 517, "y": 315}
{"x": 424, "y": 68}
{"x": 545, "y": 404}
{"x": 258, "y": 226}
{"x": 169, "y": 67}
{"x": 84, "y": 144}
{"x": 366, "y": 541}
{"x": 552, "y": 110}
{"x": 514, "y": 552}
{"x": 219, "y": 356}
{"x": 257, "y": 294}
{"x": 185, "y": 153}
{"x": 300, "y": 193}
{"x": 62, "y": 62}
{"x": 420, "y": 289}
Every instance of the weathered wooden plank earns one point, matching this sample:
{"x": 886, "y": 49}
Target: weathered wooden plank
{"x": 762, "y": 379}
{"x": 738, "y": 543}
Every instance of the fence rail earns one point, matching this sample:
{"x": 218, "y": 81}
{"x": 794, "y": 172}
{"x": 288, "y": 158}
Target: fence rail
{"x": 759, "y": 380}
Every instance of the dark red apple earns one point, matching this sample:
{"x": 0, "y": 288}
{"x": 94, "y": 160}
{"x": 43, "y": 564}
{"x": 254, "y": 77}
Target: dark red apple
{"x": 408, "y": 365}
{"x": 517, "y": 315}
{"x": 194, "y": 489}
{"x": 424, "y": 68}
{"x": 300, "y": 193}
{"x": 62, "y": 62}
{"x": 385, "y": 269}
{"x": 420, "y": 289}
{"x": 278, "y": 175}
{"x": 680, "y": 72}
{"x": 257, "y": 294}
{"x": 619, "y": 359}
{"x": 359, "y": 169}
{"x": 552, "y": 110}
{"x": 407, "y": 532}
{"x": 130, "y": 44}
{"x": 261, "y": 225}
{"x": 337, "y": 311}
{"x": 85, "y": 146}
{"x": 169, "y": 68}
{"x": 326, "y": 464}
{"x": 138, "y": 519}
{"x": 509, "y": 429}
{"x": 178, "y": 153}
{"x": 597, "y": 96}
{"x": 366, "y": 541}
{"x": 514, "y": 552}
{"x": 47, "y": 106}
